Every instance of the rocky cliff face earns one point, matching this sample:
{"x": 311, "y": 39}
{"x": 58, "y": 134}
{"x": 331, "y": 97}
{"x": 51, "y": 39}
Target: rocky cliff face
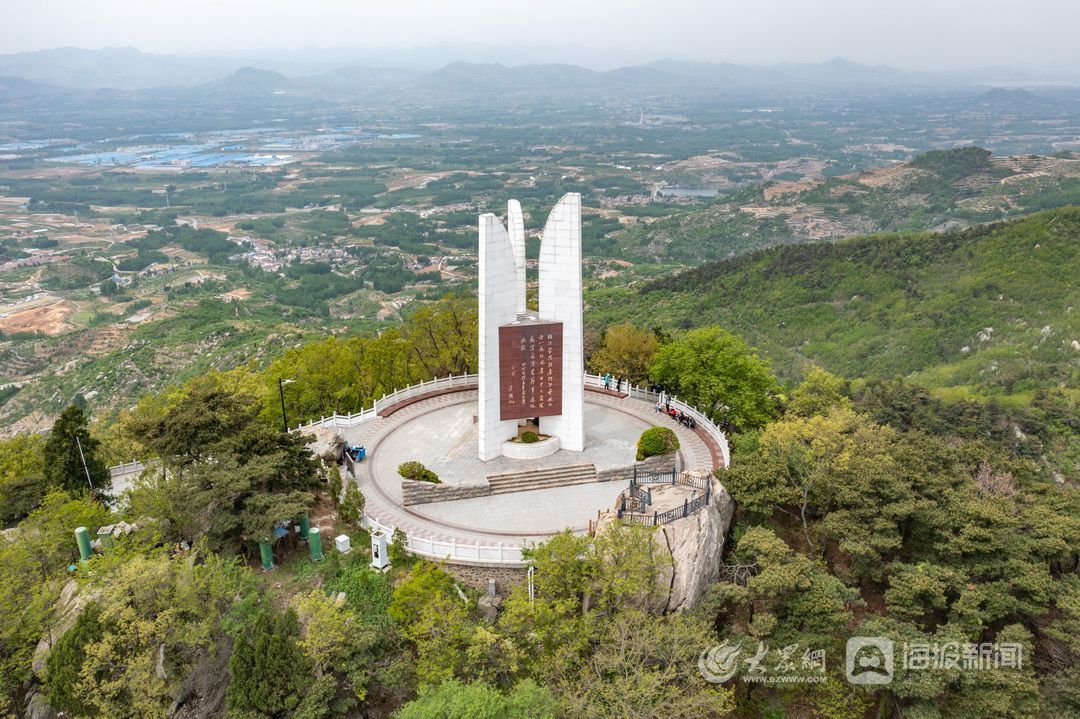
{"x": 69, "y": 606}
{"x": 694, "y": 543}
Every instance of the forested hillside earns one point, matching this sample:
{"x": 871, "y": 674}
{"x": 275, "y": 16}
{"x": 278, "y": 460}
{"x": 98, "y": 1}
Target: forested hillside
{"x": 991, "y": 311}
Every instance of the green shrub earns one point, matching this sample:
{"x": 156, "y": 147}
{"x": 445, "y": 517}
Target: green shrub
{"x": 416, "y": 470}
{"x": 529, "y": 437}
{"x": 333, "y": 477}
{"x": 65, "y": 661}
{"x": 399, "y": 552}
{"x": 656, "y": 441}
{"x": 352, "y": 506}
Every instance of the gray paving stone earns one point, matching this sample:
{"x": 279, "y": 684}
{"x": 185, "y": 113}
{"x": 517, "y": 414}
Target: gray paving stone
{"x": 441, "y": 432}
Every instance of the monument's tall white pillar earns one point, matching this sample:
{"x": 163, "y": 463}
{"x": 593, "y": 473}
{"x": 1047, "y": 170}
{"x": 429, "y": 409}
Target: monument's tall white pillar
{"x": 560, "y": 301}
{"x": 515, "y": 222}
{"x": 498, "y": 299}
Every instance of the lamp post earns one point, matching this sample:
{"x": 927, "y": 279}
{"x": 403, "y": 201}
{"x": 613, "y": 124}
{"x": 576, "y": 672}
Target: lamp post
{"x": 281, "y": 392}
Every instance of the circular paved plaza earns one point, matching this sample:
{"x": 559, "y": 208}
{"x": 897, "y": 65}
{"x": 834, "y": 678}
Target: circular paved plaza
{"x": 441, "y": 432}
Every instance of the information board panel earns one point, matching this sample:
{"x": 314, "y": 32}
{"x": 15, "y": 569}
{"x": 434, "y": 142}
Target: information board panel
{"x": 530, "y": 370}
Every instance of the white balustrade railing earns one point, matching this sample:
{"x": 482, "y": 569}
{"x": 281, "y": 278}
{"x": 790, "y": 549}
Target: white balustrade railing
{"x": 126, "y": 468}
{"x": 425, "y": 387}
{"x": 460, "y": 552}
{"x": 635, "y": 392}
{"x": 648, "y": 395}
{"x": 387, "y": 400}
{"x": 453, "y": 551}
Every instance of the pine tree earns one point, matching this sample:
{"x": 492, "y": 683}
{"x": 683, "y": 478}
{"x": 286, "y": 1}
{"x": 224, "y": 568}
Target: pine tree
{"x": 68, "y": 445}
{"x": 267, "y": 669}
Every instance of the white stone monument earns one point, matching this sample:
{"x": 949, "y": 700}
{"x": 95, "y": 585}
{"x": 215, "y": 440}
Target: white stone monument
{"x": 531, "y": 363}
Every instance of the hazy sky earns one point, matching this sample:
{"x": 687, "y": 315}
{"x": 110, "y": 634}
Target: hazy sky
{"x": 913, "y": 34}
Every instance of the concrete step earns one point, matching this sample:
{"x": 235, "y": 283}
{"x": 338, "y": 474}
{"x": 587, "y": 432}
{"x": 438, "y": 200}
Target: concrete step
{"x": 542, "y": 484}
{"x": 528, "y": 480}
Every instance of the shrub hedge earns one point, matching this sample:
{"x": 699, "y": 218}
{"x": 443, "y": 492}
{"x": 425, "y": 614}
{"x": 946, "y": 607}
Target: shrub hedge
{"x": 415, "y": 470}
{"x": 655, "y": 441}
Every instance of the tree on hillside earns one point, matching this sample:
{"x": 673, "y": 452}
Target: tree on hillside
{"x": 268, "y": 669}
{"x": 259, "y": 476}
{"x": 184, "y": 430}
{"x": 819, "y": 392}
{"x": 72, "y": 461}
{"x": 337, "y": 375}
{"x": 22, "y": 476}
{"x": 802, "y": 466}
{"x": 443, "y": 336}
{"x": 645, "y": 666}
{"x": 455, "y": 700}
{"x": 161, "y": 620}
{"x": 626, "y": 352}
{"x": 716, "y": 371}
{"x": 234, "y": 474}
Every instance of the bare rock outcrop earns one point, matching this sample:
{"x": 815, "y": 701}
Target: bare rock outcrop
{"x": 327, "y": 443}
{"x": 38, "y": 707}
{"x": 694, "y": 543}
{"x": 69, "y": 606}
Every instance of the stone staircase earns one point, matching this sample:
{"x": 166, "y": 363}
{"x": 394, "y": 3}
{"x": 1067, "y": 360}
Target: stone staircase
{"x": 525, "y": 481}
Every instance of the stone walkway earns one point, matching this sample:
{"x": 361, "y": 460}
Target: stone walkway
{"x": 447, "y": 443}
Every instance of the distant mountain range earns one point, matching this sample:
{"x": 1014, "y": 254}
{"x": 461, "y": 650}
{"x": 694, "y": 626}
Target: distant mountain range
{"x": 130, "y": 69}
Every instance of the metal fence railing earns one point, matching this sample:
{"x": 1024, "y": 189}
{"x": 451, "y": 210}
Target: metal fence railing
{"x": 640, "y": 494}
{"x": 626, "y": 513}
{"x": 684, "y": 478}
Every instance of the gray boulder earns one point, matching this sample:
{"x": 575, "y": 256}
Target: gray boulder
{"x": 325, "y": 443}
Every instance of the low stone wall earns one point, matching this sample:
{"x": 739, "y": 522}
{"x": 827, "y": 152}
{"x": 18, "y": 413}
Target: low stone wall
{"x": 660, "y": 463}
{"x": 417, "y": 492}
{"x": 506, "y": 578}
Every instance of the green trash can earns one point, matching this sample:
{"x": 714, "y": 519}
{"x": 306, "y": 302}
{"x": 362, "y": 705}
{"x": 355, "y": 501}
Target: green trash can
{"x": 315, "y": 544}
{"x": 82, "y": 536}
{"x": 267, "y": 553}
{"x": 305, "y": 527}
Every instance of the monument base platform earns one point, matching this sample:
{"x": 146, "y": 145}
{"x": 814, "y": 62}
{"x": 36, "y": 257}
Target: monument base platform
{"x": 494, "y": 509}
